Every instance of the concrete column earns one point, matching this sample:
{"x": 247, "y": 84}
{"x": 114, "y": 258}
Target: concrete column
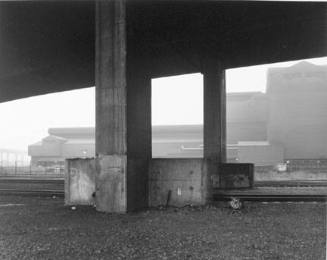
{"x": 111, "y": 112}
{"x": 123, "y": 116}
{"x": 139, "y": 150}
{"x": 214, "y": 123}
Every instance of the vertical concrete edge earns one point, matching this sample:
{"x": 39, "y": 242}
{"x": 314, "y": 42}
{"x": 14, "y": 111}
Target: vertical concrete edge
{"x": 206, "y": 194}
{"x": 67, "y": 183}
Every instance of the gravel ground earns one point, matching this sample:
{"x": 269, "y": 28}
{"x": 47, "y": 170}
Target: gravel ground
{"x": 42, "y": 228}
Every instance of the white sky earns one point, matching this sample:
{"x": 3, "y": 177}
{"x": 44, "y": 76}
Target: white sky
{"x": 175, "y": 100}
{"x": 27, "y": 120}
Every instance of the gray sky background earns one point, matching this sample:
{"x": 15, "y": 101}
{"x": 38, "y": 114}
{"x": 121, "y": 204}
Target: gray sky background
{"x": 175, "y": 100}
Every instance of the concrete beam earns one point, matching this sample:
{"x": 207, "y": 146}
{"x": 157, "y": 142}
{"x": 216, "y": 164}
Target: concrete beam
{"x": 214, "y": 123}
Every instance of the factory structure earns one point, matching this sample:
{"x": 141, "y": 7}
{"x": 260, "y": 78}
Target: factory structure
{"x": 288, "y": 122}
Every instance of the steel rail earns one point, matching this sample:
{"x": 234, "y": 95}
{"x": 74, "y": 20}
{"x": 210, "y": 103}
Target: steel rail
{"x": 269, "y": 197}
{"x": 47, "y": 193}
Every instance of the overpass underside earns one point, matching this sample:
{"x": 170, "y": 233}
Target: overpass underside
{"x": 119, "y": 46}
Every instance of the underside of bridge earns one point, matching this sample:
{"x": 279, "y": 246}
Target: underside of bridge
{"x": 118, "y": 46}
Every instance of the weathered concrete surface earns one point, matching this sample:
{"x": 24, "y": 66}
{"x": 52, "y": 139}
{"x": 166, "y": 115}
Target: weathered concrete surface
{"x": 79, "y": 181}
{"x": 111, "y": 183}
{"x": 110, "y": 78}
{"x": 180, "y": 181}
{"x": 123, "y": 121}
{"x": 111, "y": 99}
{"x": 214, "y": 121}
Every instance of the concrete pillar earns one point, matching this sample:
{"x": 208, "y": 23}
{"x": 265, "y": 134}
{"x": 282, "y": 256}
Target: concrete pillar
{"x": 139, "y": 150}
{"x": 123, "y": 116}
{"x": 111, "y": 98}
{"x": 214, "y": 123}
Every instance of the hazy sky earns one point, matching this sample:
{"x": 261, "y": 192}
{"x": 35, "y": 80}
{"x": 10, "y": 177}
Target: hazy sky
{"x": 175, "y": 100}
{"x": 179, "y": 100}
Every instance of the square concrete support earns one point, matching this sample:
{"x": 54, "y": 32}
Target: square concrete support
{"x": 123, "y": 116}
{"x": 79, "y": 181}
{"x": 214, "y": 123}
{"x": 177, "y": 182}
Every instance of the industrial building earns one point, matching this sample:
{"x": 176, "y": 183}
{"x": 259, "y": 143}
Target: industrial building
{"x": 286, "y": 123}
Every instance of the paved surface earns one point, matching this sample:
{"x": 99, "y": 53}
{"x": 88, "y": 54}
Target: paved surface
{"x": 42, "y": 228}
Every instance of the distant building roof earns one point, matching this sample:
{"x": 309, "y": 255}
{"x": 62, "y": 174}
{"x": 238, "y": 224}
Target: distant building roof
{"x": 71, "y": 130}
{"x": 300, "y": 66}
{"x": 244, "y": 96}
{"x": 176, "y": 128}
{"x": 54, "y": 138}
{"x": 253, "y": 143}
{"x": 81, "y": 141}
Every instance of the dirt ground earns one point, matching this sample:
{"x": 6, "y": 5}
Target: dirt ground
{"x": 42, "y": 228}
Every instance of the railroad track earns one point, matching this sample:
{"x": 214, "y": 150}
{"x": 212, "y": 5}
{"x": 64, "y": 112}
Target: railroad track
{"x": 274, "y": 193}
{"x": 32, "y": 186}
{"x": 47, "y": 193}
{"x": 30, "y": 181}
{"x": 293, "y": 183}
{"x": 60, "y": 181}
{"x": 263, "y": 190}
{"x": 270, "y": 197}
